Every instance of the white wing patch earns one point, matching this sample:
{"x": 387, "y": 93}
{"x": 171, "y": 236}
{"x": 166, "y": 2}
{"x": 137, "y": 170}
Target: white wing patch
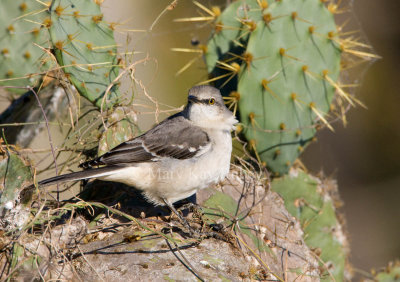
{"x": 150, "y": 152}
{"x": 202, "y": 149}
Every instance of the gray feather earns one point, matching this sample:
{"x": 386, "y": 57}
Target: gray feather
{"x": 175, "y": 138}
{"x": 79, "y": 175}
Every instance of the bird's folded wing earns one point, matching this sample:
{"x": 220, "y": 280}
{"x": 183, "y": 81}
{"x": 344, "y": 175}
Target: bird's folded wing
{"x": 173, "y": 138}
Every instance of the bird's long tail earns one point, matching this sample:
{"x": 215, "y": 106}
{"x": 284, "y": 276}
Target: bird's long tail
{"x": 26, "y": 193}
{"x": 79, "y": 175}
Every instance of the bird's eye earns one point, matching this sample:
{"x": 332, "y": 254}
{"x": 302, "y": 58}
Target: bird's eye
{"x": 211, "y": 101}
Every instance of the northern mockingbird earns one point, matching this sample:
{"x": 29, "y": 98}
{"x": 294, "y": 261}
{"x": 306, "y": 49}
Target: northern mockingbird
{"x": 186, "y": 152}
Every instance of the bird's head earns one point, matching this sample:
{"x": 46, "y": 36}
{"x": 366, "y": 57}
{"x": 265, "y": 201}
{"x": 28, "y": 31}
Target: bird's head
{"x": 206, "y": 109}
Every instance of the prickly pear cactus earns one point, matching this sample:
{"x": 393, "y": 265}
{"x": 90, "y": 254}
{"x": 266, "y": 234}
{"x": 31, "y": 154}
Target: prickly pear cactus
{"x": 287, "y": 59}
{"x": 85, "y": 48}
{"x": 23, "y": 32}
{"x": 309, "y": 201}
{"x": 15, "y": 174}
{"x": 390, "y": 274}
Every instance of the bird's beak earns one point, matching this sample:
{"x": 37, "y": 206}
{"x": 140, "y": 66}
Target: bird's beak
{"x": 193, "y": 99}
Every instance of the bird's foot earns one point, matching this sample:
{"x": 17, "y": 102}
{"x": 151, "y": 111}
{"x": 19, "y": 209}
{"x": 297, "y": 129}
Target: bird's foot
{"x": 192, "y": 232}
{"x": 212, "y": 231}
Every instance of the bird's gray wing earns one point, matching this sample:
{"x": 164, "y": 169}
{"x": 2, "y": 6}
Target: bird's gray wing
{"x": 175, "y": 138}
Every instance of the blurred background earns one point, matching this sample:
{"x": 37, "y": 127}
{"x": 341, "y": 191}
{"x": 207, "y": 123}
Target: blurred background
{"x": 364, "y": 157}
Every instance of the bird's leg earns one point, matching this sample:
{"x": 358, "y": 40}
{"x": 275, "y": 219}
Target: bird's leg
{"x": 181, "y": 218}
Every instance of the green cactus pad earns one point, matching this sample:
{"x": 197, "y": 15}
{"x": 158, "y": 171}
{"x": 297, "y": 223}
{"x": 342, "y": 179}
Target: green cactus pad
{"x": 85, "y": 48}
{"x": 390, "y": 274}
{"x": 22, "y": 25}
{"x": 14, "y": 175}
{"x": 123, "y": 127}
{"x": 285, "y": 81}
{"x": 307, "y": 200}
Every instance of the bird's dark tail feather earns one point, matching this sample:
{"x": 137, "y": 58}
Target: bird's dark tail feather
{"x": 27, "y": 192}
{"x": 79, "y": 175}
{"x": 74, "y": 176}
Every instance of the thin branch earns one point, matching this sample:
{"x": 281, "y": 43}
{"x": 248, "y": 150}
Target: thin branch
{"x": 49, "y": 134}
{"x": 130, "y": 67}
